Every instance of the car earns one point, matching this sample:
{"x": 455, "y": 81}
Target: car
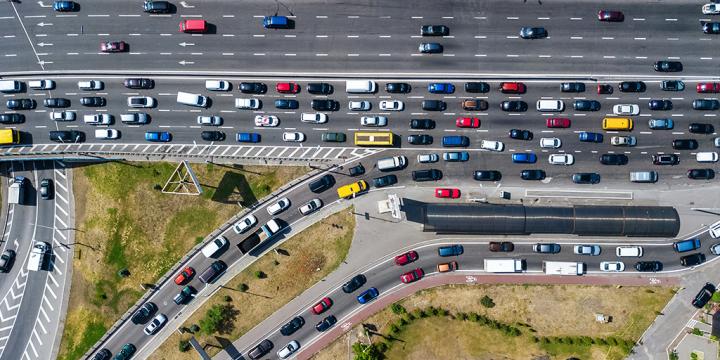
{"x": 513, "y": 88}
{"x": 604, "y": 89}
{"x": 610, "y": 16}
{"x": 699, "y": 128}
{"x": 392, "y": 105}
{"x": 323, "y": 183}
{"x": 373, "y": 121}
{"x": 448, "y": 266}
{"x": 15, "y": 118}
{"x": 158, "y": 136}
{"x": 322, "y": 306}
{"x": 572, "y": 87}
{"x": 368, "y": 295}
{"x": 451, "y": 250}
{"x": 557, "y": 123}
{"x": 711, "y": 87}
{"x": 56, "y": 102}
{"x": 668, "y": 66}
{"x": 586, "y": 178}
{"x": 215, "y": 85}
{"x": 692, "y": 260}
{"x": 632, "y": 86}
{"x": 434, "y": 30}
{"x": 333, "y": 137}
{"x": 60, "y": 116}
{"x": 155, "y": 324}
{"x": 626, "y": 109}
{"x": 412, "y": 276}
{"x": 492, "y": 145}
{"x": 292, "y": 326}
{"x": 113, "y": 46}
{"x": 157, "y": 7}
{"x": 185, "y": 275}
{"x": 143, "y": 314}
{"x": 324, "y": 105}
{"x": 63, "y": 6}
{"x": 279, "y": 206}
{"x": 310, "y": 207}
{"x": 384, "y": 181}
{"x": 592, "y": 250}
{"x": 701, "y": 174}
{"x": 705, "y": 104}
{"x": 253, "y": 88}
{"x": 422, "y": 139}
{"x": 266, "y": 121}
{"x": 359, "y": 105}
{"x": 561, "y": 159}
{"x": 426, "y": 175}
{"x": 586, "y": 105}
{"x": 67, "y": 136}
{"x": 467, "y": 122}
{"x": 711, "y": 27}
{"x": 660, "y": 105}
{"x": 613, "y": 159}
{"x": 139, "y": 83}
{"x": 422, "y": 124}
{"x": 474, "y": 105}
{"x": 447, "y": 193}
{"x": 519, "y": 134}
{"x": 184, "y": 295}
{"x": 487, "y": 175}
{"x": 355, "y": 283}
{"x": 665, "y": 159}
{"x": 684, "y": 144}
{"x": 661, "y": 124}
{"x": 6, "y": 260}
{"x": 98, "y": 119}
{"x": 244, "y": 224}
{"x": 406, "y": 258}
{"x": 533, "y": 174}
{"x": 477, "y": 87}
{"x": 288, "y": 349}
{"x": 702, "y": 297}
{"x": 92, "y": 101}
{"x": 357, "y": 170}
{"x": 441, "y": 88}
{"x": 260, "y": 349}
{"x": 107, "y": 134}
{"x": 320, "y": 88}
{"x": 314, "y": 118}
{"x": 501, "y": 246}
{"x": 46, "y": 189}
{"x": 585, "y": 136}
{"x": 326, "y": 323}
{"x": 546, "y": 248}
{"x": 434, "y": 105}
{"x": 427, "y": 158}
{"x": 623, "y": 141}
{"x": 455, "y": 156}
{"x": 711, "y": 9}
{"x": 672, "y": 85}
{"x": 20, "y": 104}
{"x": 648, "y": 266}
{"x": 212, "y": 135}
{"x": 126, "y": 352}
{"x": 612, "y": 266}
{"x": 514, "y": 106}
{"x": 210, "y": 120}
{"x": 287, "y": 88}
{"x": 430, "y": 48}
{"x": 533, "y": 33}
{"x": 277, "y": 22}
{"x": 397, "y": 88}
{"x": 286, "y": 104}
{"x": 524, "y": 158}
{"x": 550, "y": 143}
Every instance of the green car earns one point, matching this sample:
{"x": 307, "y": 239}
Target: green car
{"x": 333, "y": 137}
{"x": 126, "y": 352}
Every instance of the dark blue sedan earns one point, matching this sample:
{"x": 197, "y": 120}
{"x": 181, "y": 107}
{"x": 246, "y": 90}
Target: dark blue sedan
{"x": 64, "y": 6}
{"x": 441, "y": 88}
{"x": 368, "y": 295}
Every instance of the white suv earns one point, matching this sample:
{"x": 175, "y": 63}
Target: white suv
{"x": 492, "y": 145}
{"x": 279, "y": 206}
{"x": 359, "y": 105}
{"x": 140, "y": 101}
{"x": 561, "y": 159}
{"x": 311, "y": 206}
{"x": 551, "y": 143}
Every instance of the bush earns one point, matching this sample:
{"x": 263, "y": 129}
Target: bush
{"x": 194, "y": 328}
{"x": 276, "y": 263}
{"x": 184, "y": 345}
{"x": 696, "y": 331}
{"x": 462, "y": 316}
{"x": 219, "y": 318}
{"x": 402, "y": 322}
{"x": 260, "y": 275}
{"x": 157, "y": 187}
{"x": 443, "y": 312}
{"x": 227, "y": 298}
{"x": 487, "y": 302}
{"x": 243, "y": 287}
{"x": 397, "y": 309}
{"x": 673, "y": 355}
{"x": 394, "y": 329}
{"x": 473, "y": 316}
{"x": 536, "y": 339}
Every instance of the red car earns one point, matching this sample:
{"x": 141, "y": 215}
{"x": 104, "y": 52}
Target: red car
{"x": 322, "y": 306}
{"x": 604, "y": 89}
{"x": 610, "y": 16}
{"x": 557, "y": 122}
{"x": 406, "y": 258}
{"x": 466, "y": 122}
{"x": 712, "y": 87}
{"x": 512, "y": 88}
{"x": 287, "y": 88}
{"x": 185, "y": 275}
{"x": 113, "y": 46}
{"x": 447, "y": 193}
{"x": 411, "y": 276}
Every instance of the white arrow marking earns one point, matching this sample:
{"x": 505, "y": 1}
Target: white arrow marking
{"x": 186, "y": 62}
{"x": 185, "y": 5}
{"x": 44, "y": 24}
{"x": 45, "y": 44}
{"x": 43, "y": 5}
{"x": 184, "y": 44}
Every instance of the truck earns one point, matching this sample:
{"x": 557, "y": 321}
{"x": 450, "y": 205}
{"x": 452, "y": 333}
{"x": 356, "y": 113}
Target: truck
{"x": 563, "y": 267}
{"x": 265, "y": 232}
{"x": 37, "y": 256}
{"x": 505, "y": 265}
{"x": 16, "y": 191}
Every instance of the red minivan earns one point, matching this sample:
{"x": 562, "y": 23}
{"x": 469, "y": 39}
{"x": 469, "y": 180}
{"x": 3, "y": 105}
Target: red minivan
{"x": 193, "y": 26}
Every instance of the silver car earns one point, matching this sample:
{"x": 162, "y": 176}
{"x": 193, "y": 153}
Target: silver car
{"x": 592, "y": 250}
{"x": 359, "y": 105}
{"x": 311, "y": 206}
{"x": 63, "y": 115}
{"x": 157, "y": 322}
{"x": 427, "y": 158}
{"x": 373, "y": 121}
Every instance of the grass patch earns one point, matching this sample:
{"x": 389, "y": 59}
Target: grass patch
{"x": 313, "y": 253}
{"x": 125, "y": 223}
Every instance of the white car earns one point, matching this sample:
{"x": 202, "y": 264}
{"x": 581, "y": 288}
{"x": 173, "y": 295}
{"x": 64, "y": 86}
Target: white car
{"x": 210, "y": 120}
{"x": 279, "y": 206}
{"x": 626, "y": 109}
{"x": 392, "y": 105}
{"x": 41, "y": 84}
{"x": 217, "y": 85}
{"x": 311, "y": 206}
{"x": 247, "y": 104}
{"x": 62, "y": 115}
{"x": 245, "y": 223}
{"x": 714, "y": 230}
{"x": 157, "y": 322}
{"x": 561, "y": 159}
{"x": 288, "y": 350}
{"x": 359, "y": 105}
{"x": 266, "y": 120}
{"x": 715, "y": 249}
{"x": 140, "y": 101}
{"x": 612, "y": 266}
{"x": 592, "y": 250}
{"x": 711, "y": 9}
{"x": 428, "y": 158}
{"x": 716, "y": 142}
{"x": 90, "y": 85}
{"x": 293, "y": 136}
{"x": 373, "y": 121}
{"x": 314, "y": 118}
{"x": 550, "y": 143}
{"x": 107, "y": 134}
{"x": 623, "y": 140}
{"x": 492, "y": 145}
{"x": 97, "y": 119}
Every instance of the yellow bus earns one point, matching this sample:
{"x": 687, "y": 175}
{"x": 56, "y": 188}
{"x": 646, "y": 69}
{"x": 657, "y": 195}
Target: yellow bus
{"x": 351, "y": 190}
{"x": 614, "y": 123}
{"x": 374, "y": 138}
{"x": 9, "y": 137}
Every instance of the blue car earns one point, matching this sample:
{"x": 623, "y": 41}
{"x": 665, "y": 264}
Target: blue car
{"x": 248, "y": 137}
{"x": 276, "y": 22}
{"x": 524, "y": 158}
{"x": 661, "y": 124}
{"x": 158, "y": 136}
{"x": 456, "y": 156}
{"x": 64, "y": 6}
{"x": 441, "y": 88}
{"x": 590, "y": 137}
{"x": 368, "y": 295}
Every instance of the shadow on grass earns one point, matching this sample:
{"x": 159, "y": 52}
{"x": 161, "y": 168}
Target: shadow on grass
{"x": 233, "y": 188}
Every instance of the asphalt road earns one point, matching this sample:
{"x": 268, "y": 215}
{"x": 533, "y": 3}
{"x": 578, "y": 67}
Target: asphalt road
{"x": 358, "y": 37}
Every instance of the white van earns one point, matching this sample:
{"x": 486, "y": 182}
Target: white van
{"x": 629, "y": 251}
{"x": 360, "y": 86}
{"x": 550, "y": 105}
{"x": 41, "y": 84}
{"x": 644, "y": 176}
{"x": 247, "y": 104}
{"x": 214, "y": 246}
{"x": 217, "y": 85}
{"x": 134, "y": 118}
{"x": 314, "y": 118}
{"x": 392, "y": 163}
{"x": 191, "y": 99}
{"x": 10, "y": 86}
{"x": 707, "y": 156}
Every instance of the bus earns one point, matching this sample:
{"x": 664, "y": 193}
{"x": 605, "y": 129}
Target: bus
{"x": 374, "y": 138}
{"x": 9, "y": 137}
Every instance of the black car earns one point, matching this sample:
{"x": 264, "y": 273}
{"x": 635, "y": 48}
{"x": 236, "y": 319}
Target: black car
{"x": 586, "y": 105}
{"x": 534, "y": 174}
{"x": 384, "y": 181}
{"x": 706, "y": 104}
{"x": 6, "y": 260}
{"x": 357, "y": 170}
{"x": 665, "y": 159}
{"x": 477, "y": 87}
{"x": 212, "y": 135}
{"x": 430, "y": 48}
{"x": 434, "y": 30}
{"x": 632, "y": 86}
{"x": 533, "y": 33}
{"x": 355, "y": 283}
{"x": 139, "y": 83}
{"x": 320, "y": 88}
{"x": 326, "y": 323}
{"x": 324, "y": 105}
{"x": 685, "y": 144}
{"x": 705, "y": 294}
{"x": 701, "y": 174}
{"x": 47, "y": 189}
{"x": 144, "y": 313}
{"x": 287, "y": 104}
{"x": 613, "y": 159}
{"x": 646, "y": 266}
{"x": 660, "y": 105}
{"x": 692, "y": 259}
{"x": 672, "y": 85}
{"x": 572, "y": 87}
{"x": 93, "y": 101}
{"x": 322, "y": 184}
{"x": 520, "y": 134}
{"x": 20, "y": 104}
{"x": 487, "y": 175}
{"x": 12, "y": 118}
{"x": 56, "y": 102}
{"x": 422, "y": 139}
{"x": 546, "y": 248}
{"x": 698, "y": 128}
{"x": 292, "y": 326}
{"x": 514, "y": 106}
{"x": 333, "y": 137}
{"x": 260, "y": 350}
{"x": 434, "y": 105}
{"x": 397, "y": 88}
{"x": 668, "y": 66}
{"x": 425, "y": 124}
{"x": 103, "y": 354}
{"x": 253, "y": 88}
{"x": 157, "y": 7}
{"x": 426, "y": 175}
{"x": 711, "y": 27}
{"x": 586, "y": 178}
{"x": 67, "y": 136}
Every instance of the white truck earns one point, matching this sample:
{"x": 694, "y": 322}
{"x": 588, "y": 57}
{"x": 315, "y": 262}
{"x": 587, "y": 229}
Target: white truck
{"x": 504, "y": 265}
{"x": 37, "y": 256}
{"x": 16, "y": 191}
{"x": 563, "y": 267}
{"x": 267, "y": 231}
{"x": 191, "y": 99}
